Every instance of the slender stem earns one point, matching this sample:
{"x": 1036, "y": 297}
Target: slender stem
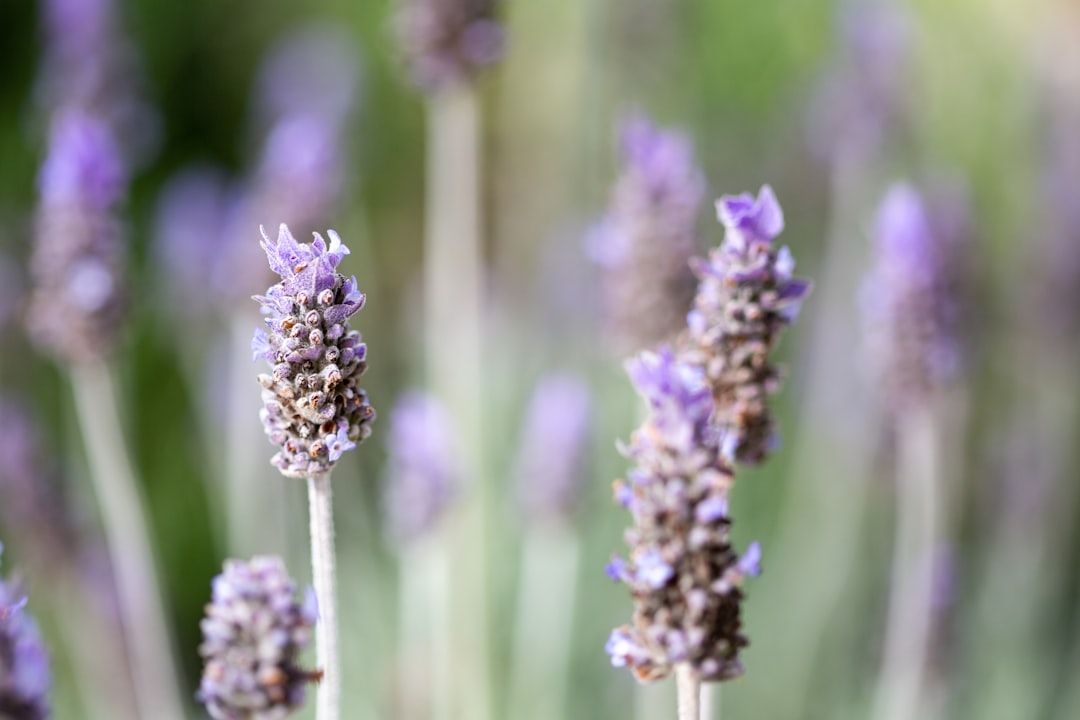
{"x": 453, "y": 278}
{"x": 321, "y": 517}
{"x": 907, "y": 637}
{"x": 146, "y": 631}
{"x": 688, "y": 686}
{"x": 425, "y": 631}
{"x": 544, "y": 623}
{"x": 710, "y": 701}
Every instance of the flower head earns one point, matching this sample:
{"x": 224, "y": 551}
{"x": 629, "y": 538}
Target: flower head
{"x": 746, "y": 296}
{"x": 253, "y": 634}
{"x": 682, "y": 571}
{"x": 78, "y": 301}
{"x": 447, "y": 42}
{"x": 910, "y": 301}
{"x": 646, "y": 240}
{"x": 553, "y": 443}
{"x": 425, "y": 472}
{"x": 24, "y": 663}
{"x": 313, "y": 406}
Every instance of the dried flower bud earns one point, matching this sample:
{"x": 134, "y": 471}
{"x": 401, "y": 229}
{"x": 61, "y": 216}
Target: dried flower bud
{"x": 78, "y": 301}
{"x": 24, "y": 663}
{"x": 682, "y": 571}
{"x": 646, "y": 240}
{"x": 553, "y": 443}
{"x": 447, "y": 42}
{"x": 313, "y": 420}
{"x": 253, "y": 634}
{"x": 745, "y": 297}
{"x": 424, "y": 473}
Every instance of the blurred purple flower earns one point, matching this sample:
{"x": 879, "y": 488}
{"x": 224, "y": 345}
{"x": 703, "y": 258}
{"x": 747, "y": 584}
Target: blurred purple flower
{"x": 683, "y": 574}
{"x": 313, "y": 406}
{"x": 447, "y": 42}
{"x": 78, "y": 299}
{"x": 253, "y": 635}
{"x": 910, "y": 300}
{"x": 191, "y": 228}
{"x": 424, "y": 472}
{"x": 863, "y": 95}
{"x": 24, "y": 663}
{"x": 646, "y": 240}
{"x": 551, "y": 453}
{"x": 30, "y": 504}
{"x": 746, "y": 296}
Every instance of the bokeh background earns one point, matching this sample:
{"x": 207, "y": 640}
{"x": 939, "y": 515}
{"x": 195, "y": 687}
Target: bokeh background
{"x": 976, "y": 103}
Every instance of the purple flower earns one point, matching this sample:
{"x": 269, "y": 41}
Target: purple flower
{"x": 910, "y": 301}
{"x": 78, "y": 300}
{"x": 746, "y": 296}
{"x": 680, "y": 550}
{"x": 313, "y": 406}
{"x": 447, "y": 42}
{"x": 254, "y": 632}
{"x": 424, "y": 472}
{"x": 24, "y": 662}
{"x": 646, "y": 239}
{"x": 552, "y": 450}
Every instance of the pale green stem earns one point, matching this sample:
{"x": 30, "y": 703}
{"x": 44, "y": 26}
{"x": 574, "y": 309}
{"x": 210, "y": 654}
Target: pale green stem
{"x": 425, "y": 631}
{"x": 323, "y": 570}
{"x": 710, "y": 701}
{"x": 901, "y": 686}
{"x": 146, "y": 630}
{"x": 453, "y": 278}
{"x": 688, "y": 687}
{"x": 543, "y": 627}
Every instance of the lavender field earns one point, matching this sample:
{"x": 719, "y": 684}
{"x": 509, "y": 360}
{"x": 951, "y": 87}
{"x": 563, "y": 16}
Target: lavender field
{"x": 561, "y": 360}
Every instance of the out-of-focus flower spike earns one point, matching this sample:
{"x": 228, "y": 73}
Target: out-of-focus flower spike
{"x": 646, "y": 240}
{"x": 25, "y": 677}
{"x": 552, "y": 449}
{"x": 78, "y": 300}
{"x": 425, "y": 471}
{"x": 448, "y": 42}
{"x": 254, "y": 632}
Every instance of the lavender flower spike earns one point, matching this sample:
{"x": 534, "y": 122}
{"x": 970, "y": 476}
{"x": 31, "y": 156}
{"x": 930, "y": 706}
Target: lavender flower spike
{"x": 682, "y": 571}
{"x": 425, "y": 470}
{"x": 24, "y": 664}
{"x": 745, "y": 297}
{"x": 78, "y": 301}
{"x": 313, "y": 406}
{"x": 554, "y": 442}
{"x": 649, "y": 235}
{"x": 909, "y": 302}
{"x": 447, "y": 42}
{"x": 253, "y": 634}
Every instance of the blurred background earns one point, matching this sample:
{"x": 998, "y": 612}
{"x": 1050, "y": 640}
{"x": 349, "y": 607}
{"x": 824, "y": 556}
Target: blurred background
{"x": 235, "y": 113}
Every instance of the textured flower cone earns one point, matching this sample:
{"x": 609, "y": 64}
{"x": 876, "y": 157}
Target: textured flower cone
{"x": 253, "y": 634}
{"x": 447, "y": 42}
{"x": 649, "y": 235}
{"x": 313, "y": 406}
{"x": 746, "y": 296}
{"x": 910, "y": 302}
{"x": 682, "y": 571}
{"x": 24, "y": 665}
{"x": 78, "y": 299}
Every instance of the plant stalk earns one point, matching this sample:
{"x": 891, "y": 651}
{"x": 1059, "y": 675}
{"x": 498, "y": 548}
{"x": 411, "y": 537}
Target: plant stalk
{"x": 146, "y": 630}
{"x": 907, "y": 638}
{"x": 688, "y": 687}
{"x": 453, "y": 280}
{"x": 324, "y": 573}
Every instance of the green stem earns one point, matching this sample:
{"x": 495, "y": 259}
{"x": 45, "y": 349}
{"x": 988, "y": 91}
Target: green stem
{"x": 324, "y": 573}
